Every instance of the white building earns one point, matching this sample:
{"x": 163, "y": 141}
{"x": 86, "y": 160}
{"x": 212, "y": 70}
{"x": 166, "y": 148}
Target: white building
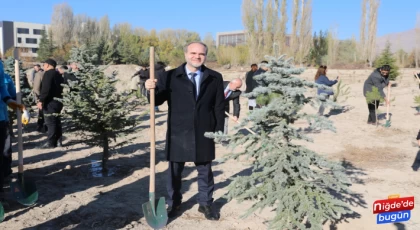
{"x": 234, "y": 38}
{"x": 23, "y": 35}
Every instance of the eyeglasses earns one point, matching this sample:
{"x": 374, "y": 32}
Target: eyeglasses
{"x": 323, "y": 66}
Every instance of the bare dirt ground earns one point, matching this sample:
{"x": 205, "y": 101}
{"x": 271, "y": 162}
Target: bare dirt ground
{"x": 72, "y": 196}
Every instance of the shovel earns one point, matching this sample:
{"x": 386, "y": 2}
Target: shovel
{"x": 240, "y": 123}
{"x": 388, "y": 120}
{"x": 156, "y": 215}
{"x": 24, "y": 190}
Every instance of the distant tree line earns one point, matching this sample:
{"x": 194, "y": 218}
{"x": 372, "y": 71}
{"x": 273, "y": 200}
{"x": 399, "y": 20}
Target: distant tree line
{"x": 121, "y": 44}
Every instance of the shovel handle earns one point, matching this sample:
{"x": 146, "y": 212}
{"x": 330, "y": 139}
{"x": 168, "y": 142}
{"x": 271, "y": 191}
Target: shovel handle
{"x": 240, "y": 123}
{"x": 389, "y": 99}
{"x": 152, "y": 122}
{"x": 19, "y": 114}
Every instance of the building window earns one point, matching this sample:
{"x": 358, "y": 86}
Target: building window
{"x": 24, "y": 50}
{"x": 31, "y": 41}
{"x": 37, "y": 32}
{"x": 19, "y": 40}
{"x": 22, "y": 31}
{"x": 34, "y": 50}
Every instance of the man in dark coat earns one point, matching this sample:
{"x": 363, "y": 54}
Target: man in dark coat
{"x": 232, "y": 93}
{"x": 251, "y": 83}
{"x": 379, "y": 79}
{"x": 50, "y": 89}
{"x": 194, "y": 94}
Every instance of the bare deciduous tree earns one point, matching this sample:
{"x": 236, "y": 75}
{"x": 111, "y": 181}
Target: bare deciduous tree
{"x": 293, "y": 39}
{"x": 417, "y": 51}
{"x": 271, "y": 22}
{"x": 62, "y": 24}
{"x": 305, "y": 30}
{"x": 282, "y": 27}
{"x": 260, "y": 24}
{"x": 104, "y": 28}
{"x": 373, "y": 16}
{"x": 332, "y": 45}
{"x": 362, "y": 44}
{"x": 85, "y": 30}
{"x": 248, "y": 19}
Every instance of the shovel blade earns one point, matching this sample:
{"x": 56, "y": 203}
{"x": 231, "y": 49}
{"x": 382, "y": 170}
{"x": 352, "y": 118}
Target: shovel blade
{"x": 24, "y": 191}
{"x": 156, "y": 216}
{"x": 1, "y": 213}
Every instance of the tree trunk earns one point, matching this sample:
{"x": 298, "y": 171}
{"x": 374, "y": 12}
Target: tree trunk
{"x": 105, "y": 154}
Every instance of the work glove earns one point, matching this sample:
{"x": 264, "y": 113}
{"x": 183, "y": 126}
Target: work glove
{"x": 25, "y": 117}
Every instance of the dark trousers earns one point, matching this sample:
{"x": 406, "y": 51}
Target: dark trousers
{"x": 7, "y": 154}
{"x": 53, "y": 122}
{"x": 372, "y": 115}
{"x": 3, "y": 136}
{"x": 40, "y": 121}
{"x": 205, "y": 183}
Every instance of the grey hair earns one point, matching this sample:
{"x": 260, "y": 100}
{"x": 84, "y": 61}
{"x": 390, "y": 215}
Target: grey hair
{"x": 188, "y": 44}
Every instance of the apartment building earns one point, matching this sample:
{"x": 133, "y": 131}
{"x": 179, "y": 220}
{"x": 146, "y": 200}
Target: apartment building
{"x": 234, "y": 38}
{"x": 24, "y": 35}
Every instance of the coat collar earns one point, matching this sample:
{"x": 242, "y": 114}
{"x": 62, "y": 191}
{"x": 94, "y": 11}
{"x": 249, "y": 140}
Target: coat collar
{"x": 180, "y": 71}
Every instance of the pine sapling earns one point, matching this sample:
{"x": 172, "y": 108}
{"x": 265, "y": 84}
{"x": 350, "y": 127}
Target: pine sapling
{"x": 417, "y": 103}
{"x": 299, "y": 183}
{"x": 98, "y": 113}
{"x": 341, "y": 91}
{"x": 374, "y": 97}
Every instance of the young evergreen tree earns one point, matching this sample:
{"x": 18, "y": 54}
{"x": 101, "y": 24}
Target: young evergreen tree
{"x": 46, "y": 46}
{"x": 110, "y": 53}
{"x": 373, "y": 97}
{"x": 296, "y": 181}
{"x": 387, "y": 58}
{"x": 341, "y": 91}
{"x": 98, "y": 113}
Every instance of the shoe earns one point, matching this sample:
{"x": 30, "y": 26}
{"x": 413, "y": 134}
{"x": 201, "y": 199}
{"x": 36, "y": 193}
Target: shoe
{"x": 60, "y": 142}
{"x": 173, "y": 211}
{"x": 208, "y": 212}
{"x": 46, "y": 145}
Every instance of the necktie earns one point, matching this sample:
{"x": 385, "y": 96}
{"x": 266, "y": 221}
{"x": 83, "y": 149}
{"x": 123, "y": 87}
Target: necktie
{"x": 194, "y": 83}
{"x": 226, "y": 93}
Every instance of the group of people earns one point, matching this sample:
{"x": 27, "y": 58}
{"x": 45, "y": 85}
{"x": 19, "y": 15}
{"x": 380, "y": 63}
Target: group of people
{"x": 198, "y": 101}
{"x": 46, "y": 86}
{"x": 378, "y": 78}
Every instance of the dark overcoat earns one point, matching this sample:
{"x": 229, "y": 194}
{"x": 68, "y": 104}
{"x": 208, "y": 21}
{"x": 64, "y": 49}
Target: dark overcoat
{"x": 375, "y": 79}
{"x": 188, "y": 118}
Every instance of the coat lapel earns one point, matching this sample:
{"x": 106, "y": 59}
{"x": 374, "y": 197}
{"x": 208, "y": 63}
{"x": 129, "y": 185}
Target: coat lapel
{"x": 182, "y": 75}
{"x": 203, "y": 81}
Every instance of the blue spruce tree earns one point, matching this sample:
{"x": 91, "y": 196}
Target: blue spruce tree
{"x": 97, "y": 112}
{"x": 296, "y": 181}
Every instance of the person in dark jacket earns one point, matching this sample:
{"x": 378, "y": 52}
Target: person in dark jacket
{"x": 417, "y": 76}
{"x": 379, "y": 79}
{"x": 262, "y": 69}
{"x": 251, "y": 83}
{"x": 194, "y": 94}
{"x": 67, "y": 76}
{"x": 232, "y": 93}
{"x": 322, "y": 79}
{"x": 51, "y": 88}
